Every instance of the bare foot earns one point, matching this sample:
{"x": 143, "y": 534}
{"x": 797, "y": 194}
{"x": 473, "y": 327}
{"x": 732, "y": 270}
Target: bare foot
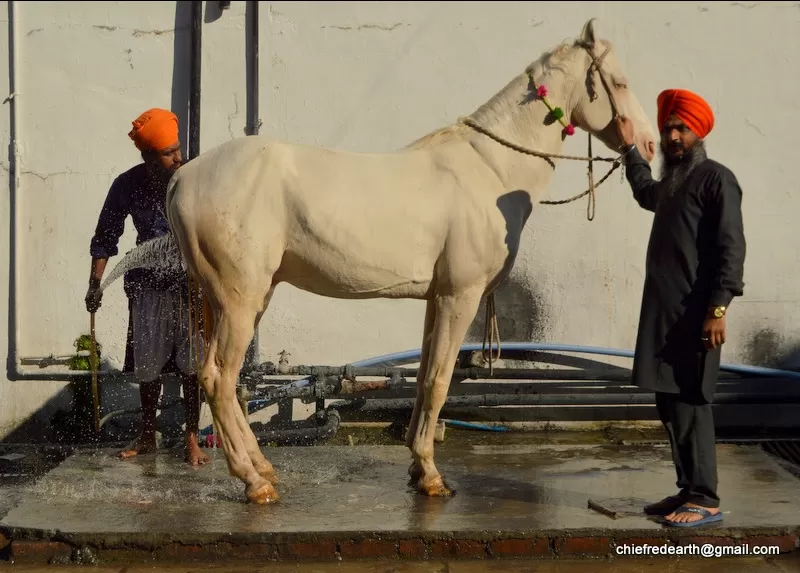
{"x": 194, "y": 455}
{"x": 143, "y": 445}
{"x": 434, "y": 487}
{"x": 689, "y": 517}
{"x": 262, "y": 494}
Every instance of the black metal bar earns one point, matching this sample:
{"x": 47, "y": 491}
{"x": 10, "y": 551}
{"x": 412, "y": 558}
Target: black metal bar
{"x": 493, "y": 400}
{"x": 196, "y": 67}
{"x": 618, "y": 375}
{"x": 253, "y": 123}
{"x": 302, "y": 436}
{"x": 557, "y": 388}
{"x": 595, "y": 414}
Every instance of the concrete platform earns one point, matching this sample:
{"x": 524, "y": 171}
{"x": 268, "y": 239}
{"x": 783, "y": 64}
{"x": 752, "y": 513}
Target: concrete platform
{"x": 348, "y": 503}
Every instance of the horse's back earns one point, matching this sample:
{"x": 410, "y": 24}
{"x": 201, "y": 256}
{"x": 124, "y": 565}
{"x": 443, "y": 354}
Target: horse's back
{"x": 346, "y": 224}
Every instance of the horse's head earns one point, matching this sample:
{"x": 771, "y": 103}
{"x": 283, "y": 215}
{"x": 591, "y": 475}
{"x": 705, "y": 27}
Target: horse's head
{"x": 606, "y": 93}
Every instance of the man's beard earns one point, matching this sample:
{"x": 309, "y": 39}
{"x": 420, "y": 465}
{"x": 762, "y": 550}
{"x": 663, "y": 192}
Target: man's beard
{"x": 674, "y": 172}
{"x": 160, "y": 176}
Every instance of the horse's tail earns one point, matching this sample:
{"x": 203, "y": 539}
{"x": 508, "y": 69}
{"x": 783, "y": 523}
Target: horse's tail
{"x": 200, "y": 317}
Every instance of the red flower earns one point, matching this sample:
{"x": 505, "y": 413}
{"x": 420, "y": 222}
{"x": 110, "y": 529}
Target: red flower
{"x": 569, "y": 130}
{"x": 542, "y": 91}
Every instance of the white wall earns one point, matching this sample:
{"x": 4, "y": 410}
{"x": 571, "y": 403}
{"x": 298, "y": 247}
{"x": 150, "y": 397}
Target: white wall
{"x": 374, "y": 76}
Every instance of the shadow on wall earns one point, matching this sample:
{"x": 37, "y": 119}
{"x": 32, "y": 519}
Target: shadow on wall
{"x": 765, "y": 347}
{"x": 67, "y": 419}
{"x": 213, "y": 12}
{"x": 521, "y": 314}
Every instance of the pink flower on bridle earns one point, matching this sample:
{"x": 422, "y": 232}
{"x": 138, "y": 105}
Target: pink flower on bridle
{"x": 556, "y": 112}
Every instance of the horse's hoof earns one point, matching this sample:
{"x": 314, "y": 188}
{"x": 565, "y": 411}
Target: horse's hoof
{"x": 270, "y": 476}
{"x": 434, "y": 487}
{"x": 263, "y": 495}
{"x": 415, "y": 471}
{"x": 268, "y": 473}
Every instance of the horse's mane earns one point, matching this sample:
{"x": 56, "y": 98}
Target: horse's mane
{"x": 455, "y": 131}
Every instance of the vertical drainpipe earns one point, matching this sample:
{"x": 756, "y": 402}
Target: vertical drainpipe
{"x": 13, "y": 367}
{"x": 194, "y": 89}
{"x": 252, "y": 108}
{"x": 253, "y": 123}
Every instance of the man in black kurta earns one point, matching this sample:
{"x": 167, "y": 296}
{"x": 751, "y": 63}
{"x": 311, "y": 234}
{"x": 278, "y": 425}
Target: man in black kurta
{"x": 694, "y": 269}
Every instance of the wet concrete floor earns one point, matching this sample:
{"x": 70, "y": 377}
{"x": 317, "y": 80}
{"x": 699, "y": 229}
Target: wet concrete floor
{"x": 784, "y": 564}
{"x": 365, "y": 488}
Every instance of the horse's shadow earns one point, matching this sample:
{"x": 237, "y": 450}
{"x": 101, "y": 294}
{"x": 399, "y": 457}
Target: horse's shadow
{"x": 483, "y": 490}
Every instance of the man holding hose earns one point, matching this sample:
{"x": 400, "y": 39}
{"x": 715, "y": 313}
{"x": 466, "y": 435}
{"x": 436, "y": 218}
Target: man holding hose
{"x": 159, "y": 299}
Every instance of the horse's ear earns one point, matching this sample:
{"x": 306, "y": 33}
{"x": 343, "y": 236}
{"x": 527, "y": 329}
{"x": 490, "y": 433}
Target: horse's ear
{"x": 587, "y": 35}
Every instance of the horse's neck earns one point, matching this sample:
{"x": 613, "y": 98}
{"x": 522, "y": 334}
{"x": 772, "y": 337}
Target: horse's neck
{"x": 518, "y": 116}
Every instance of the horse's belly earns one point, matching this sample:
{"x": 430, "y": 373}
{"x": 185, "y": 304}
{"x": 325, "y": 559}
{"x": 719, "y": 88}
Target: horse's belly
{"x": 339, "y": 274}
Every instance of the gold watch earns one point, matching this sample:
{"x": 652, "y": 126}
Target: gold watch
{"x": 718, "y": 311}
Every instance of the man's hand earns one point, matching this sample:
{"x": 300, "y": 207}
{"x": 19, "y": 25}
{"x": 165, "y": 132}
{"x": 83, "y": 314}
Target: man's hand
{"x": 93, "y": 296}
{"x": 713, "y": 332}
{"x": 625, "y": 130}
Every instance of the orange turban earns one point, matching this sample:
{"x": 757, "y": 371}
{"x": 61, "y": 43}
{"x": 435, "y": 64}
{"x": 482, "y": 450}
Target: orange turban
{"x": 693, "y": 110}
{"x": 154, "y": 130}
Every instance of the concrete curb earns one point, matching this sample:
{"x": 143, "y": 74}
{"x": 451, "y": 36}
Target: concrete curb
{"x": 29, "y": 546}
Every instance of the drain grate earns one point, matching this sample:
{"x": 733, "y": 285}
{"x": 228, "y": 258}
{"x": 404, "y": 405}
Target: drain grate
{"x": 787, "y": 450}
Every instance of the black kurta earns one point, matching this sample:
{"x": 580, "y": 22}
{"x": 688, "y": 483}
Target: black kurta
{"x": 695, "y": 260}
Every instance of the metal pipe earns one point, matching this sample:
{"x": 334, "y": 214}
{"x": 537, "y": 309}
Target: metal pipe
{"x": 414, "y": 355}
{"x": 196, "y": 69}
{"x": 302, "y": 436}
{"x": 13, "y": 367}
{"x": 460, "y": 373}
{"x": 579, "y": 391}
{"x": 328, "y": 422}
{"x": 494, "y": 400}
{"x": 253, "y": 123}
{"x": 380, "y": 366}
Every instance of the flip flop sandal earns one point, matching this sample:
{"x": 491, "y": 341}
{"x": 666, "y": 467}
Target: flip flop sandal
{"x": 707, "y": 517}
{"x": 665, "y": 506}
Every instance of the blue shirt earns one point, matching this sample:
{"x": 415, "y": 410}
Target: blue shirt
{"x": 136, "y": 194}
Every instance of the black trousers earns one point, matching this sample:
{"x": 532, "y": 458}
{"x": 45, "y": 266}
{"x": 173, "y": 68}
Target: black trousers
{"x": 690, "y": 425}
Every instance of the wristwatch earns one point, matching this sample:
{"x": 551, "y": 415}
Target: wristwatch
{"x": 718, "y": 311}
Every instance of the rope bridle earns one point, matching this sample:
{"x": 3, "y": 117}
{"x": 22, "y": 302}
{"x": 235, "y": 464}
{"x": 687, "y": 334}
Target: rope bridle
{"x": 490, "y": 328}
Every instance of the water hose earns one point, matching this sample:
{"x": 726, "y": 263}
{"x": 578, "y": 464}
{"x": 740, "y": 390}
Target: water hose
{"x": 408, "y": 356}
{"x": 473, "y": 425}
{"x": 93, "y": 364}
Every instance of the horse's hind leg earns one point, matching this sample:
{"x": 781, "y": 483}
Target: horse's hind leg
{"x": 454, "y": 313}
{"x": 260, "y": 462}
{"x": 229, "y": 340}
{"x": 415, "y": 471}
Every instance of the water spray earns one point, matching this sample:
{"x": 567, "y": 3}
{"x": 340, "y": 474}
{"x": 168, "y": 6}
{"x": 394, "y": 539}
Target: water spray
{"x": 161, "y": 253}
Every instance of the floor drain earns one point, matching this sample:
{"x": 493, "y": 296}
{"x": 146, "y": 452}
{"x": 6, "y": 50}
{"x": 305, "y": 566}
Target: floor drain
{"x": 787, "y": 450}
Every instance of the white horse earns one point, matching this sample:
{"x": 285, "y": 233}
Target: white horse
{"x": 439, "y": 220}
